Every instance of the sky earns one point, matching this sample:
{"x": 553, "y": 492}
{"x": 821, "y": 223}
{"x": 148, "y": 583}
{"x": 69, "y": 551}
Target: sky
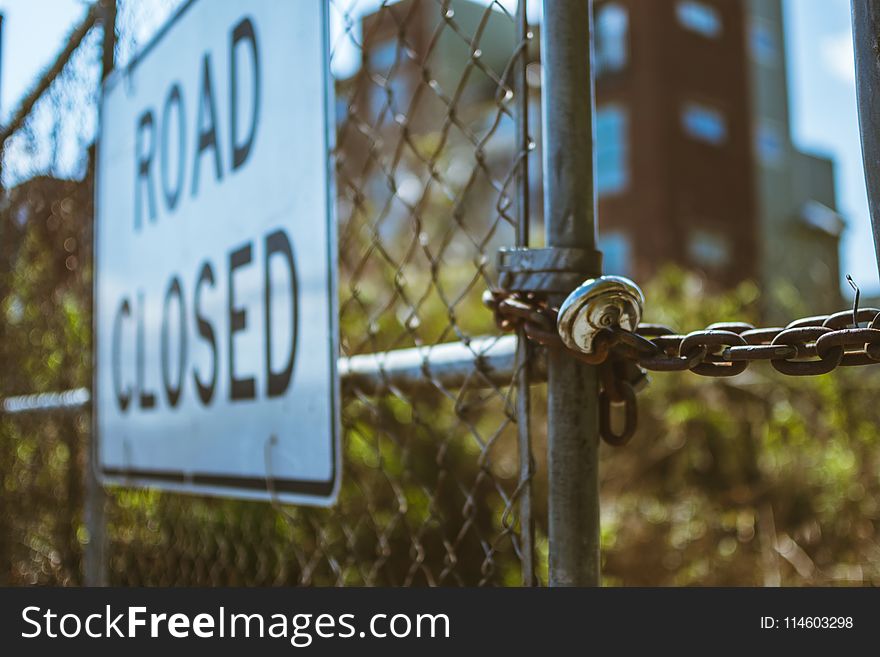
{"x": 821, "y": 86}
{"x": 825, "y": 118}
{"x": 23, "y": 56}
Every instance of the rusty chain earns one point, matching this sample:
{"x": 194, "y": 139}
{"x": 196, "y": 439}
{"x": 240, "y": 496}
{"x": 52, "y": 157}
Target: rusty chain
{"x": 805, "y": 347}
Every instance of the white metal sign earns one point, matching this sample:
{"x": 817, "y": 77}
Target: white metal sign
{"x": 215, "y": 258}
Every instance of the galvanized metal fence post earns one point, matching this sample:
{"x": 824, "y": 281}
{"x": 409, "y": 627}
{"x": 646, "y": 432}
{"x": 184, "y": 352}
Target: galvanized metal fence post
{"x": 570, "y": 212}
{"x": 524, "y": 352}
{"x": 95, "y": 564}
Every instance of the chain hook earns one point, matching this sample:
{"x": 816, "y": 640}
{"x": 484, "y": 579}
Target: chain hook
{"x": 852, "y": 284}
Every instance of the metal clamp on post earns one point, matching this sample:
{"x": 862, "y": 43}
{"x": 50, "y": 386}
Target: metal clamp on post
{"x": 546, "y": 271}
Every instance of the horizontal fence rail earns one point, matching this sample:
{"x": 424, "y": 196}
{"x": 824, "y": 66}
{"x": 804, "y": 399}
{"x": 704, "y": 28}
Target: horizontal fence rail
{"x": 487, "y": 361}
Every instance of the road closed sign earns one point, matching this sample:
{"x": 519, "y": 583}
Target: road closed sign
{"x": 216, "y": 256}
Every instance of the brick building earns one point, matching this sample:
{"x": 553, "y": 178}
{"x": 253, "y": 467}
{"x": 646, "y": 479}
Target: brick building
{"x": 696, "y": 161}
{"x": 696, "y": 165}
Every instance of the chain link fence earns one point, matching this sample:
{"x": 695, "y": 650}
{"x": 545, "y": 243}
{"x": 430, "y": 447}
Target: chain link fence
{"x": 755, "y": 479}
{"x": 431, "y": 160}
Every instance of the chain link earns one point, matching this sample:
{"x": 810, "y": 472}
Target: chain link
{"x": 805, "y": 347}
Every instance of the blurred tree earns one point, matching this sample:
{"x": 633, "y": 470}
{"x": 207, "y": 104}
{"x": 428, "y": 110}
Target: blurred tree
{"x": 756, "y": 480}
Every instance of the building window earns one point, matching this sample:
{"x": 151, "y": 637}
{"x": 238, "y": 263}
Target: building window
{"x": 382, "y": 57}
{"x": 341, "y": 109}
{"x": 763, "y": 43}
{"x": 616, "y": 254}
{"x": 704, "y": 123}
{"x": 389, "y": 98}
{"x": 21, "y": 214}
{"x": 612, "y": 150}
{"x": 699, "y": 17}
{"x": 709, "y": 250}
{"x": 769, "y": 144}
{"x": 612, "y": 38}
{"x": 388, "y": 81}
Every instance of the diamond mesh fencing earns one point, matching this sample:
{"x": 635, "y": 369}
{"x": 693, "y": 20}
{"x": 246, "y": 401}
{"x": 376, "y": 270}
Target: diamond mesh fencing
{"x": 45, "y": 300}
{"x": 431, "y": 162}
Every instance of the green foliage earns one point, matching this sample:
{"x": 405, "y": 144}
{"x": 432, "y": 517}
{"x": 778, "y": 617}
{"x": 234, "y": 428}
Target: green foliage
{"x": 44, "y": 346}
{"x": 758, "y": 479}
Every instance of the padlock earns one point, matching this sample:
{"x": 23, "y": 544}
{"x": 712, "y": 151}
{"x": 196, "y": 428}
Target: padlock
{"x": 599, "y": 303}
